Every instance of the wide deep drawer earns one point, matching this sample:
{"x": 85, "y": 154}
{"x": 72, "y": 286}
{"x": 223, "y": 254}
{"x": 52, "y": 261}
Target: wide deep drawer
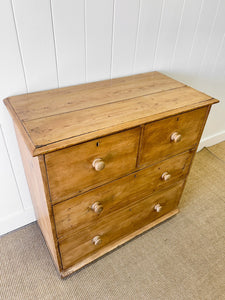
{"x": 171, "y": 136}
{"x": 81, "y": 167}
{"x": 81, "y": 211}
{"x": 112, "y": 228}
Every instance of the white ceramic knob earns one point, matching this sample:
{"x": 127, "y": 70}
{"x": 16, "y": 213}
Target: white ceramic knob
{"x": 165, "y": 176}
{"x": 175, "y": 137}
{"x": 97, "y": 207}
{"x": 96, "y": 240}
{"x": 158, "y": 207}
{"x": 98, "y": 164}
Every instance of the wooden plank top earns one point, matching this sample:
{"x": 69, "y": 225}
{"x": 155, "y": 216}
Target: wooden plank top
{"x": 55, "y": 119}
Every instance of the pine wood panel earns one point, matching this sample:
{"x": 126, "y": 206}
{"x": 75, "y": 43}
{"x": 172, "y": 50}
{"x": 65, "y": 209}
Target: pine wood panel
{"x": 93, "y": 256}
{"x": 117, "y": 226}
{"x": 114, "y": 128}
{"x": 36, "y": 177}
{"x": 107, "y": 168}
{"x": 40, "y": 104}
{"x": 156, "y": 140}
{"x": 91, "y": 119}
{"x": 124, "y": 113}
{"x": 70, "y": 171}
{"x": 76, "y": 213}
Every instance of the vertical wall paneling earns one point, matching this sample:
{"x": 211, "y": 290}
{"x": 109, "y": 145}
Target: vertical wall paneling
{"x": 201, "y": 38}
{"x": 34, "y": 25}
{"x": 12, "y": 82}
{"x": 99, "y": 23}
{"x": 11, "y": 69}
{"x": 124, "y": 37}
{"x": 14, "y": 155}
{"x": 217, "y": 89}
{"x": 12, "y": 213}
{"x": 219, "y": 68}
{"x": 212, "y": 70}
{"x": 11, "y": 203}
{"x": 185, "y": 39}
{"x": 150, "y": 14}
{"x": 69, "y": 34}
{"x": 208, "y": 65}
{"x": 53, "y": 43}
{"x": 170, "y": 22}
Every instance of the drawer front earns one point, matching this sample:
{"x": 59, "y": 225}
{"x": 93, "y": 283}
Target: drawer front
{"x": 82, "y": 167}
{"x": 118, "y": 225}
{"x": 81, "y": 211}
{"x": 171, "y": 136}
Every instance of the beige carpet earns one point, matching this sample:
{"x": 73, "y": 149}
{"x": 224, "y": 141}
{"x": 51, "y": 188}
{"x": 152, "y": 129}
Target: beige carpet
{"x": 183, "y": 258}
{"x": 218, "y": 150}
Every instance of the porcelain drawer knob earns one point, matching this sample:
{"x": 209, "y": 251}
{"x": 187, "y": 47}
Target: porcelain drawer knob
{"x": 98, "y": 164}
{"x": 175, "y": 137}
{"x": 97, "y": 240}
{"x": 165, "y": 176}
{"x": 158, "y": 207}
{"x": 97, "y": 207}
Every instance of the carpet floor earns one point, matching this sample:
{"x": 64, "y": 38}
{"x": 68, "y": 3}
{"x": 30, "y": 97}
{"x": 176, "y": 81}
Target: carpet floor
{"x": 182, "y": 258}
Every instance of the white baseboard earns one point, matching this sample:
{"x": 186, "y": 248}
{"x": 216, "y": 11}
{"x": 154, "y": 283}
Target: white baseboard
{"x": 211, "y": 140}
{"x": 17, "y": 220}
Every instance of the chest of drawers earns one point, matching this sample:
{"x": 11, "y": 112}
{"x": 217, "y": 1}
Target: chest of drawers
{"x": 106, "y": 161}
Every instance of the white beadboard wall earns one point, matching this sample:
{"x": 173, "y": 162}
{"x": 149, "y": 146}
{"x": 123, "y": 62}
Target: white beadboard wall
{"x": 47, "y": 44}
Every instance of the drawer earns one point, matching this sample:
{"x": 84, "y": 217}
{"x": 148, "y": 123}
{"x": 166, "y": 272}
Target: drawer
{"x": 82, "y": 167}
{"x": 112, "y": 228}
{"x": 171, "y": 136}
{"x": 81, "y": 211}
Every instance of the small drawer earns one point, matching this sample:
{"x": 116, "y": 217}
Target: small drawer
{"x": 171, "y": 136}
{"x": 83, "y": 210}
{"x": 82, "y": 167}
{"x": 118, "y": 225}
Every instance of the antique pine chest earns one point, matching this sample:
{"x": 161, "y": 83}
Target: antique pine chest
{"x": 106, "y": 161}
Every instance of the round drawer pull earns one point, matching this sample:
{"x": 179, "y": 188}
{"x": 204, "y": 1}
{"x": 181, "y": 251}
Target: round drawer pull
{"x": 158, "y": 207}
{"x": 98, "y": 164}
{"x": 97, "y": 240}
{"x": 97, "y": 207}
{"x": 175, "y": 137}
{"x": 165, "y": 176}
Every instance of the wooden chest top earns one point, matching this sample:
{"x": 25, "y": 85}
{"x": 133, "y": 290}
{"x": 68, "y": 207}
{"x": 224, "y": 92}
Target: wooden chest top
{"x": 55, "y": 119}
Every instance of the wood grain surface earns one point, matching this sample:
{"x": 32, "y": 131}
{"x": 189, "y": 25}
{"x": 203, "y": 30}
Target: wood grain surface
{"x": 118, "y": 225}
{"x": 71, "y": 171}
{"x": 55, "y": 119}
{"x": 93, "y": 256}
{"x": 113, "y": 159}
{"x": 76, "y": 213}
{"x": 40, "y": 104}
{"x": 128, "y": 113}
{"x": 38, "y": 185}
{"x": 157, "y": 142}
